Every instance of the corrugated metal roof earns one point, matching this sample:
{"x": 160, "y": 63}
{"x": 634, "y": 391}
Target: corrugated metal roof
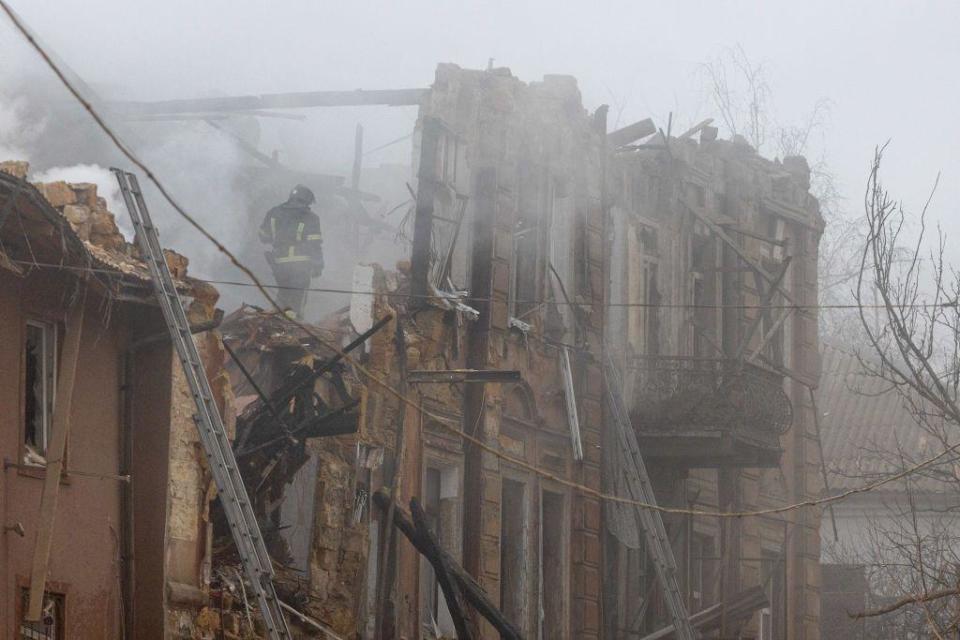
{"x": 866, "y": 424}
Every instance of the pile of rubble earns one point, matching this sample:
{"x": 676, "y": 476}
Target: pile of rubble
{"x": 95, "y": 226}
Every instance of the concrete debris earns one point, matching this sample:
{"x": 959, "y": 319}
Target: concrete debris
{"x": 16, "y": 168}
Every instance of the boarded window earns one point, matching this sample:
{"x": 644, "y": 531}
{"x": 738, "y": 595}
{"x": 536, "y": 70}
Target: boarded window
{"x": 552, "y": 564}
{"x": 40, "y": 348}
{"x": 51, "y": 623}
{"x": 513, "y": 552}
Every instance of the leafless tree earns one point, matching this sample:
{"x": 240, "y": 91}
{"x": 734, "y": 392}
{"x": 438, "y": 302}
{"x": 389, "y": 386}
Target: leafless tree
{"x": 907, "y": 298}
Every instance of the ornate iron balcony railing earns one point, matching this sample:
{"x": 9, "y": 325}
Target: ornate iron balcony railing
{"x": 676, "y": 393}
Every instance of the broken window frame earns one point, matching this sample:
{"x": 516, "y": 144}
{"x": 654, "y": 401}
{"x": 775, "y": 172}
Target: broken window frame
{"x": 452, "y": 213}
{"x": 560, "y": 253}
{"x": 444, "y": 511}
{"x": 55, "y": 605}
{"x": 48, "y": 361}
{"x": 531, "y": 243}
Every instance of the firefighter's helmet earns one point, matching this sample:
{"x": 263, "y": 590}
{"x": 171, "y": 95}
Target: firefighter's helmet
{"x": 302, "y": 195}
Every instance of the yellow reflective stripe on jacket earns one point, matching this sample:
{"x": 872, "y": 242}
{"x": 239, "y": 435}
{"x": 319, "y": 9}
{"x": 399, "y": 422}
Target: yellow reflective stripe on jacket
{"x": 314, "y": 236}
{"x": 292, "y": 257}
{"x": 300, "y": 228}
{"x": 273, "y": 227}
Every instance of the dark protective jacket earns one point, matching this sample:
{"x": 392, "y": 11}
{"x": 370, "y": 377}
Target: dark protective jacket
{"x": 294, "y": 231}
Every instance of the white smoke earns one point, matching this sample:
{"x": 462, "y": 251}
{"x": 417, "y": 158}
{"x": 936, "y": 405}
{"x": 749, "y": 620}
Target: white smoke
{"x": 107, "y": 188}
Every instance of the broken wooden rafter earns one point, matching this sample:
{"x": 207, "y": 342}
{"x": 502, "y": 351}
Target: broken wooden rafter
{"x": 737, "y": 249}
{"x": 772, "y": 331}
{"x": 283, "y": 395}
{"x": 455, "y": 376}
{"x": 692, "y": 131}
{"x": 333, "y": 423}
{"x": 164, "y": 336}
{"x": 764, "y": 302}
{"x": 187, "y": 117}
{"x": 298, "y": 100}
{"x": 452, "y": 593}
{"x": 631, "y": 132}
{"x": 472, "y": 591}
{"x": 737, "y": 608}
{"x": 309, "y": 621}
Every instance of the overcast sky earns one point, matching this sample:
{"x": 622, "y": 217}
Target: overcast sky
{"x": 888, "y": 69}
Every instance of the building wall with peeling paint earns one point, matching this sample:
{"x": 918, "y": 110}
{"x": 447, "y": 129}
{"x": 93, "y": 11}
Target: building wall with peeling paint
{"x": 130, "y": 558}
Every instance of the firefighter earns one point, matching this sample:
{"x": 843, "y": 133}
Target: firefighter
{"x": 296, "y": 255}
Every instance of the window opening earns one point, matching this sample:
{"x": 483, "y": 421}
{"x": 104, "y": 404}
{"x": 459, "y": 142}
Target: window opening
{"x": 441, "y": 506}
{"x": 40, "y": 348}
{"x": 51, "y": 623}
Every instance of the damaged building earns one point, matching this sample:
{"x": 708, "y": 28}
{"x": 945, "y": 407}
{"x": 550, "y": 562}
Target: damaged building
{"x": 458, "y": 422}
{"x": 543, "y": 244}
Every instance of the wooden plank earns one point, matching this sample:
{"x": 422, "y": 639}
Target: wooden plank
{"x": 472, "y": 591}
{"x": 55, "y": 452}
{"x": 764, "y": 302}
{"x": 771, "y": 332}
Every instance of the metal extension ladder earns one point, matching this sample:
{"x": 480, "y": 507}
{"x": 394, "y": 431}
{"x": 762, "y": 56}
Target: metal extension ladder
{"x": 223, "y": 466}
{"x": 640, "y": 489}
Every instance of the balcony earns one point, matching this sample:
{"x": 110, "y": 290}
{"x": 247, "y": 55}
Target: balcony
{"x": 709, "y": 412}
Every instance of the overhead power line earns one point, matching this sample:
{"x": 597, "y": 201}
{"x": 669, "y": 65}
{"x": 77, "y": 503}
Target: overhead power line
{"x": 467, "y": 299}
